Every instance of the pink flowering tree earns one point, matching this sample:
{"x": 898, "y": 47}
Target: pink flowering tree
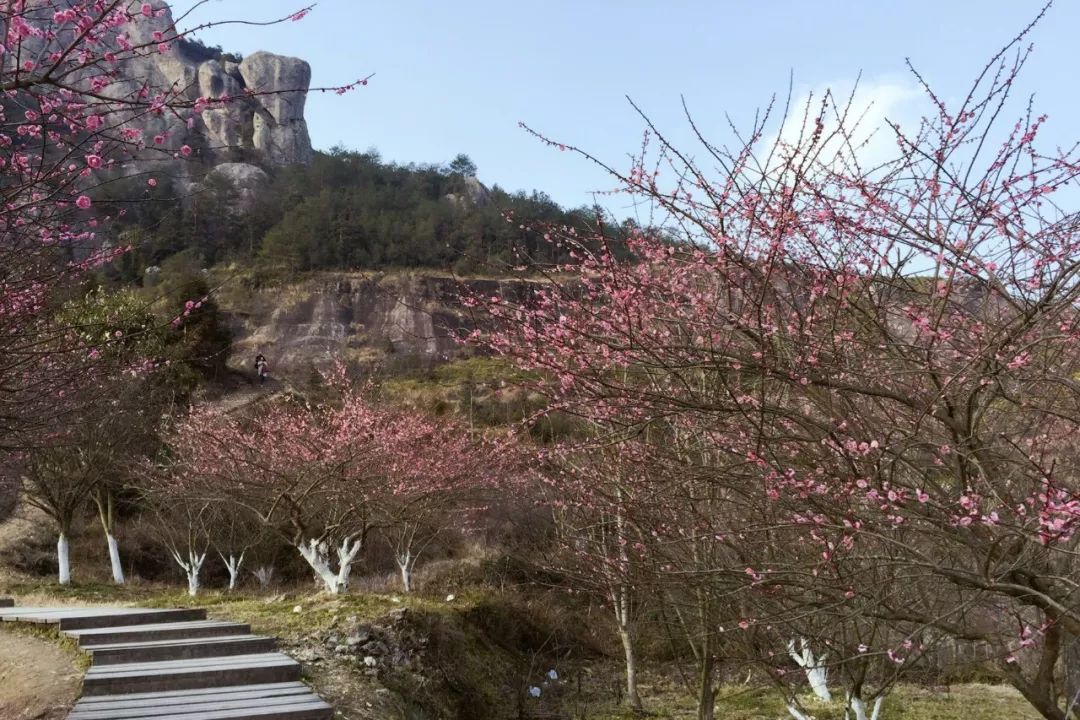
{"x": 304, "y": 470}
{"x": 879, "y": 361}
{"x": 436, "y": 476}
{"x": 594, "y": 491}
{"x": 325, "y": 475}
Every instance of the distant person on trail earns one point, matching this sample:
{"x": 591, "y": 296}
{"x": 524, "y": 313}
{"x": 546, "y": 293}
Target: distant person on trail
{"x": 261, "y": 367}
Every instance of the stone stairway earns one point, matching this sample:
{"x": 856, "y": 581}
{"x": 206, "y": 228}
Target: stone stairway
{"x": 177, "y": 665}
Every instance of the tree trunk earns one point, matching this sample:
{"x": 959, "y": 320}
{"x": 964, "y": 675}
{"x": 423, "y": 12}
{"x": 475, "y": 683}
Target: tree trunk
{"x": 232, "y": 564}
{"x": 192, "y": 566}
{"x": 1040, "y": 689}
{"x": 706, "y": 709}
{"x": 795, "y": 712}
{"x": 814, "y": 667}
{"x": 63, "y": 559}
{"x": 346, "y": 554}
{"x": 622, "y": 600}
{"x": 1072, "y": 675}
{"x": 103, "y": 498}
{"x": 264, "y": 575}
{"x": 858, "y": 707}
{"x": 406, "y": 574}
{"x": 315, "y": 554}
{"x": 318, "y": 557}
{"x": 633, "y": 698}
{"x": 114, "y": 559}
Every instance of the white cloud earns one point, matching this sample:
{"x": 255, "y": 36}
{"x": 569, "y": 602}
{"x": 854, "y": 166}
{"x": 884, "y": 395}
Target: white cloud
{"x": 864, "y": 109}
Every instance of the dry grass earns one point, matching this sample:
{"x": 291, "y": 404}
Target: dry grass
{"x": 906, "y": 702}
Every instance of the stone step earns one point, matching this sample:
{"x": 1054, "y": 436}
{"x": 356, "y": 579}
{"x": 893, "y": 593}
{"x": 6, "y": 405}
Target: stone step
{"x": 142, "y": 617}
{"x": 160, "y": 631}
{"x": 274, "y": 701}
{"x": 176, "y": 665}
{"x": 183, "y": 649}
{"x": 86, "y": 618}
{"x": 123, "y": 678}
{"x": 53, "y": 614}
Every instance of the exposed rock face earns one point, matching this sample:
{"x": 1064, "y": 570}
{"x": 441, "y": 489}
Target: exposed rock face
{"x": 356, "y": 318}
{"x": 272, "y": 123}
{"x": 475, "y": 194}
{"x": 279, "y": 126}
{"x": 225, "y": 126}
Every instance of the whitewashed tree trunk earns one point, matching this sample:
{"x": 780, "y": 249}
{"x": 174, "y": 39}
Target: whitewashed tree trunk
{"x": 622, "y": 603}
{"x": 264, "y": 575}
{"x": 816, "y": 672}
{"x": 406, "y": 563}
{"x": 630, "y": 656}
{"x": 114, "y": 559}
{"x": 346, "y": 554}
{"x": 192, "y": 566}
{"x": 317, "y": 556}
{"x": 63, "y": 559}
{"x": 232, "y": 564}
{"x": 858, "y": 707}
{"x": 794, "y": 712}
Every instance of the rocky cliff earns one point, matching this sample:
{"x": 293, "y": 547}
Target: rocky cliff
{"x": 267, "y": 122}
{"x": 408, "y": 318}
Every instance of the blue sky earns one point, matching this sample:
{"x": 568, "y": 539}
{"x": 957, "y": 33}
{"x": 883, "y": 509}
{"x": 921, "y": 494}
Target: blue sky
{"x": 456, "y": 77}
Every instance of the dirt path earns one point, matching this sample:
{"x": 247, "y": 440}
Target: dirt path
{"x": 38, "y": 680}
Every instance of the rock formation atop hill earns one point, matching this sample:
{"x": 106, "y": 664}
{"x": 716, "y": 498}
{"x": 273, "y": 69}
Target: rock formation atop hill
{"x": 269, "y": 126}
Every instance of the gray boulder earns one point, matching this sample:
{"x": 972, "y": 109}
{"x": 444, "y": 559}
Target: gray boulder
{"x": 474, "y": 194}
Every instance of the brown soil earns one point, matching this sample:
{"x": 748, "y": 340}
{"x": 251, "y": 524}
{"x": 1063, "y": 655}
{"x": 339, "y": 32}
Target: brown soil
{"x": 38, "y": 680}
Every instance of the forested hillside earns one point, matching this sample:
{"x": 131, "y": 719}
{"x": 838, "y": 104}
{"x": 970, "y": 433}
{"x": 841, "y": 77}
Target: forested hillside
{"x": 345, "y": 211}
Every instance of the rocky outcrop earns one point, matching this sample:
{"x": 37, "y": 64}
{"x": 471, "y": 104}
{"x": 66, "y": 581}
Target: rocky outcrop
{"x": 269, "y": 124}
{"x": 225, "y": 127}
{"x": 262, "y": 113}
{"x": 280, "y": 130}
{"x": 362, "y": 319}
{"x": 474, "y": 194}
